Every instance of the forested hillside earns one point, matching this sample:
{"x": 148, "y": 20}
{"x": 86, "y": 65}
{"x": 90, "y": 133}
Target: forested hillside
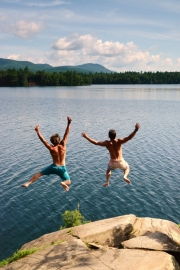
{"x": 25, "y": 77}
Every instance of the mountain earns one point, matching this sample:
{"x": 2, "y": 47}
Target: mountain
{"x": 85, "y": 68}
{"x": 8, "y": 64}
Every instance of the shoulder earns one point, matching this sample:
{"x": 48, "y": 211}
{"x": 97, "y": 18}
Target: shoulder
{"x": 120, "y": 140}
{"x": 103, "y": 143}
{"x": 107, "y": 143}
{"x": 62, "y": 144}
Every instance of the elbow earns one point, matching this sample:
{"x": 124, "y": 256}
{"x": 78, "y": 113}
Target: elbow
{"x": 94, "y": 142}
{"x": 97, "y": 143}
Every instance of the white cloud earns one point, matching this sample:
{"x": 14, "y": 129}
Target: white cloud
{"x": 31, "y": 56}
{"x": 73, "y": 43}
{"x": 26, "y": 29}
{"x": 76, "y": 49}
{"x": 14, "y": 56}
{"x": 38, "y": 3}
{"x": 49, "y": 4}
{"x": 168, "y": 62}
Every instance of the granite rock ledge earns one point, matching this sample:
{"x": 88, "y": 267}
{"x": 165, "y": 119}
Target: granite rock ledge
{"x": 120, "y": 243}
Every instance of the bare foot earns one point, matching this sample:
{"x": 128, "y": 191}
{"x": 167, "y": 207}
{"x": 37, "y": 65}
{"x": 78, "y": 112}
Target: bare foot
{"x": 64, "y": 186}
{"x": 25, "y": 185}
{"x": 105, "y": 184}
{"x": 127, "y": 180}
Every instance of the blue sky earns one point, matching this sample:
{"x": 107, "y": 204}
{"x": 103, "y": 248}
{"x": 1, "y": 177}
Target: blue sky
{"x": 129, "y": 35}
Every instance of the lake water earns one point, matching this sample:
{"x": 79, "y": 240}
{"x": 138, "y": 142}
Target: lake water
{"x": 153, "y": 155}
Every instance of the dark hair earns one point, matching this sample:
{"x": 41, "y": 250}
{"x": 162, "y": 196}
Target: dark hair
{"x": 55, "y": 139}
{"x": 112, "y": 134}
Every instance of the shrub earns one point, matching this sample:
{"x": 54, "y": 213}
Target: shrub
{"x": 73, "y": 218}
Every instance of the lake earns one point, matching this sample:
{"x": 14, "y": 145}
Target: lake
{"x": 153, "y": 155}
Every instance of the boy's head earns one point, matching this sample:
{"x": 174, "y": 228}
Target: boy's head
{"x": 112, "y": 134}
{"x": 55, "y": 139}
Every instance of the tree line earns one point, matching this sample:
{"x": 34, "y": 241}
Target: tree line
{"x": 25, "y": 77}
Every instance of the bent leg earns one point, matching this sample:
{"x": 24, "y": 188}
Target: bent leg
{"x": 108, "y": 175}
{"x": 33, "y": 179}
{"x": 65, "y": 184}
{"x": 126, "y": 172}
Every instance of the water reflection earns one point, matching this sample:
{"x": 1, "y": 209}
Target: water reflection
{"x": 117, "y": 92}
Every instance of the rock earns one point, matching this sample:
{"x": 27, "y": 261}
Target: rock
{"x": 124, "y": 259}
{"x": 48, "y": 239}
{"x": 152, "y": 241}
{"x": 109, "y": 232}
{"x": 74, "y": 255}
{"x": 92, "y": 246}
{"x": 143, "y": 226}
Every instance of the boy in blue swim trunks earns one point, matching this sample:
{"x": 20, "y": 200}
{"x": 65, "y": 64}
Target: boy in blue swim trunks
{"x": 114, "y": 147}
{"x": 58, "y": 153}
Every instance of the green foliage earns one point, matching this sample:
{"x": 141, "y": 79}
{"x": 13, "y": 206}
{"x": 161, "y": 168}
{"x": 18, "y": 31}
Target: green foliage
{"x": 73, "y": 218}
{"x": 22, "y": 253}
{"x": 179, "y": 225}
{"x": 26, "y": 77}
{"x": 18, "y": 255}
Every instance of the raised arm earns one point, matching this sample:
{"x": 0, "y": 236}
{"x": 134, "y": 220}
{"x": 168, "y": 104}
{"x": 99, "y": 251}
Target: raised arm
{"x": 65, "y": 137}
{"x": 37, "y": 129}
{"x": 85, "y": 135}
{"x": 126, "y": 139}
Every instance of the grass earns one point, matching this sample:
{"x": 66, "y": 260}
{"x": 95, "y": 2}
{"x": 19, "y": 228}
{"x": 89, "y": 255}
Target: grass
{"x": 18, "y": 255}
{"x": 23, "y": 253}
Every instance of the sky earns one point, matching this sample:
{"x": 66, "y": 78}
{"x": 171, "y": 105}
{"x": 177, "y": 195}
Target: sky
{"x": 121, "y": 35}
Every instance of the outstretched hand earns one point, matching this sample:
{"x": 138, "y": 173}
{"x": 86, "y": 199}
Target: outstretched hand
{"x": 84, "y": 134}
{"x": 37, "y": 128}
{"x": 137, "y": 126}
{"x": 69, "y": 119}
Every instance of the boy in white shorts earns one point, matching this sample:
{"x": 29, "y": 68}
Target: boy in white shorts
{"x": 114, "y": 147}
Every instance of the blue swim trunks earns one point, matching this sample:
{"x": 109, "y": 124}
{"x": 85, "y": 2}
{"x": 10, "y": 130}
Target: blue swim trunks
{"x": 59, "y": 170}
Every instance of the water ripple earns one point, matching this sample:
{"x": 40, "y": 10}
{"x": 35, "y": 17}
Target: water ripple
{"x": 153, "y": 156}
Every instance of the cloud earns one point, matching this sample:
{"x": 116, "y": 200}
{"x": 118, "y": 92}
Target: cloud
{"x": 14, "y": 56}
{"x": 76, "y": 49}
{"x": 39, "y": 3}
{"x": 168, "y": 62}
{"x": 26, "y": 29}
{"x": 31, "y": 56}
{"x": 73, "y": 43}
{"x": 79, "y": 49}
{"x": 49, "y": 4}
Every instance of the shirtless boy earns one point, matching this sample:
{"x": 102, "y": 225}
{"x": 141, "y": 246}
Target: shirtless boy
{"x": 114, "y": 147}
{"x": 58, "y": 153}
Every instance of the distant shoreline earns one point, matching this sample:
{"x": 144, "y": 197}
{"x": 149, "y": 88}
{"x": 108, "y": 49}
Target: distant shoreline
{"x": 26, "y": 77}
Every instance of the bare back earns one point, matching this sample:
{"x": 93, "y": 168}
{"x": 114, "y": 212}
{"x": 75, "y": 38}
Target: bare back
{"x": 115, "y": 149}
{"x": 58, "y": 154}
{"x": 114, "y": 146}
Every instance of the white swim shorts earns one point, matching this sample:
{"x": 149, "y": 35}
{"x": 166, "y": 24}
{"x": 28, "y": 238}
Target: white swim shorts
{"x": 117, "y": 164}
